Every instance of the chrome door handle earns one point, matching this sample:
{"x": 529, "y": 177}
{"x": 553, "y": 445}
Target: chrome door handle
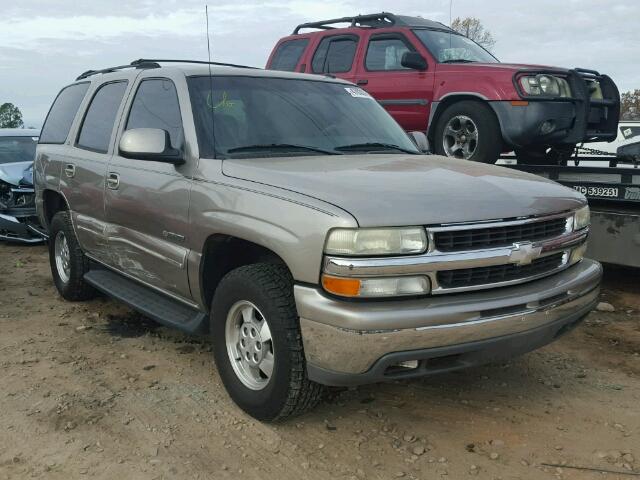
{"x": 113, "y": 181}
{"x": 70, "y": 170}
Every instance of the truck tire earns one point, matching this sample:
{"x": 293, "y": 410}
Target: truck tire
{"x": 470, "y": 130}
{"x": 68, "y": 262}
{"x": 257, "y": 343}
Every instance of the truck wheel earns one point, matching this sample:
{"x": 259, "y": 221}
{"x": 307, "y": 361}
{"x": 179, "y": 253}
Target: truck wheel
{"x": 257, "y": 343}
{"x": 68, "y": 262}
{"x": 469, "y": 130}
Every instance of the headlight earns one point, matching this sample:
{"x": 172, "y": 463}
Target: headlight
{"x": 376, "y": 287}
{"x": 376, "y": 241}
{"x": 582, "y": 218}
{"x": 545, "y": 85}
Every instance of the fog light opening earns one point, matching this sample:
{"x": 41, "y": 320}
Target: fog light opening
{"x": 547, "y": 127}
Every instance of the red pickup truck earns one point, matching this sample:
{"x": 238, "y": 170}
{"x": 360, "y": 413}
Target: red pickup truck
{"x": 432, "y": 79}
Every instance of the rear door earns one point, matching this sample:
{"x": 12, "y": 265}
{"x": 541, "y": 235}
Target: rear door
{"x": 335, "y": 55}
{"x": 147, "y": 202}
{"x": 84, "y": 166}
{"x": 405, "y": 93}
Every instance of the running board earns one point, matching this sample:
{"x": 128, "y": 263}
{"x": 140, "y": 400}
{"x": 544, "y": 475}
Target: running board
{"x": 150, "y": 303}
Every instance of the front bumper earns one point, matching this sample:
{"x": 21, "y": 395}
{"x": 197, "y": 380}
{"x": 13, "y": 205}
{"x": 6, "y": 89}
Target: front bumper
{"x": 20, "y": 226}
{"x": 350, "y": 343}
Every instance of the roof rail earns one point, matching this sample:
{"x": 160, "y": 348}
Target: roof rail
{"x": 154, "y": 63}
{"x": 373, "y": 20}
{"x": 145, "y": 64}
{"x": 144, "y": 61}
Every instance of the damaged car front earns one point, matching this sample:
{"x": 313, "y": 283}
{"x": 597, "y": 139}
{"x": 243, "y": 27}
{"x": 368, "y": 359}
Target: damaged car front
{"x": 18, "y": 220}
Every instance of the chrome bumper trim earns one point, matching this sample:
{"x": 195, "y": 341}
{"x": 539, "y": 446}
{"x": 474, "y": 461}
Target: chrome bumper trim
{"x": 350, "y": 336}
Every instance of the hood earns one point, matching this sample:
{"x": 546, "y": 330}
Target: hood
{"x": 513, "y": 67}
{"x": 13, "y": 173}
{"x": 395, "y": 190}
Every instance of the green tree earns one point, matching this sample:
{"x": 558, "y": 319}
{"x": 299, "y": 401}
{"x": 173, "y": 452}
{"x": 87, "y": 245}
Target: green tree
{"x": 630, "y": 105}
{"x": 10, "y": 116}
{"x": 471, "y": 27}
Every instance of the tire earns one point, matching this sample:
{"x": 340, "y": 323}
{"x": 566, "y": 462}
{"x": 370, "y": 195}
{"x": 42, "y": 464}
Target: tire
{"x": 488, "y": 144}
{"x": 544, "y": 155}
{"x": 287, "y": 391}
{"x": 70, "y": 280}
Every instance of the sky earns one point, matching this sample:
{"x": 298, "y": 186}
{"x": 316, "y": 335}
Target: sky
{"x": 45, "y": 44}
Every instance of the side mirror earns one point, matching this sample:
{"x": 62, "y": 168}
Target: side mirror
{"x": 421, "y": 141}
{"x": 149, "y": 144}
{"x": 413, "y": 60}
{"x": 629, "y": 152}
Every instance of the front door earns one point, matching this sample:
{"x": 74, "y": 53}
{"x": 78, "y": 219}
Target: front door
{"x": 147, "y": 202}
{"x": 405, "y": 93}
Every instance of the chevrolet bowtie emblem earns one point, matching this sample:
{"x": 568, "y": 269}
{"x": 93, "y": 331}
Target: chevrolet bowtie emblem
{"x": 524, "y": 253}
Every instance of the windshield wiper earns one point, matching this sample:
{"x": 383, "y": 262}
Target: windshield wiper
{"x": 281, "y": 146}
{"x": 458, "y": 60}
{"x": 375, "y": 146}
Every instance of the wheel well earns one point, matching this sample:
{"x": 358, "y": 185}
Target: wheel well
{"x": 223, "y": 253}
{"x": 444, "y": 104}
{"x": 53, "y": 202}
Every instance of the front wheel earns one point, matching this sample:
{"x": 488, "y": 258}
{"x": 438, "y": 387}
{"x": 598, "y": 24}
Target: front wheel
{"x": 469, "y": 130}
{"x": 258, "y": 345}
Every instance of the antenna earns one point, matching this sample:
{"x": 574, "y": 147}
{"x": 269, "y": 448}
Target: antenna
{"x": 210, "y": 102}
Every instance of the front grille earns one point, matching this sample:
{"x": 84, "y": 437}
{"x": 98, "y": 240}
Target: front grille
{"x": 478, "y": 238}
{"x": 468, "y": 277}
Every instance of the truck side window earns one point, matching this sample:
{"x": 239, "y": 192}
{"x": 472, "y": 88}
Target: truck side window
{"x": 63, "y": 111}
{"x": 97, "y": 126}
{"x": 385, "y": 54}
{"x": 335, "y": 54}
{"x": 156, "y": 106}
{"x": 288, "y": 54}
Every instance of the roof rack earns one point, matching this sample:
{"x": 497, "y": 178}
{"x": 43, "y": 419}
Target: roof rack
{"x": 155, "y": 63}
{"x": 374, "y": 20}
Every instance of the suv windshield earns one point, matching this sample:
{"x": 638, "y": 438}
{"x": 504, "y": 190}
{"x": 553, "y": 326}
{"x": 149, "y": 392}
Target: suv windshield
{"x": 451, "y": 47}
{"x": 258, "y": 116}
{"x": 17, "y": 149}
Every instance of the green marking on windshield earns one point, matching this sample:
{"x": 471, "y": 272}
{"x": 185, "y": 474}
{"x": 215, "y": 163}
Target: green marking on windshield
{"x": 224, "y": 103}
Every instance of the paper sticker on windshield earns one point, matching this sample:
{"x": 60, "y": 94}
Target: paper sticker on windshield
{"x": 357, "y": 92}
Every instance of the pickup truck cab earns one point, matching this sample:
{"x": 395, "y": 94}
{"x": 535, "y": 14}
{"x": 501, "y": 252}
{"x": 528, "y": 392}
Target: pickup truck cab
{"x": 432, "y": 79}
{"x": 292, "y": 219}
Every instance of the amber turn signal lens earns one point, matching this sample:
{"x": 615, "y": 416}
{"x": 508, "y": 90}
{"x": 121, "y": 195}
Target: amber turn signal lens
{"x": 519, "y": 103}
{"x": 345, "y": 287}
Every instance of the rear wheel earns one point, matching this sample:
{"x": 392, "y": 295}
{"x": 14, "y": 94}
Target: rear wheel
{"x": 258, "y": 345}
{"x": 68, "y": 262}
{"x": 468, "y": 130}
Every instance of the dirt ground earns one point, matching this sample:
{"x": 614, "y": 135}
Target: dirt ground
{"x": 93, "y": 390}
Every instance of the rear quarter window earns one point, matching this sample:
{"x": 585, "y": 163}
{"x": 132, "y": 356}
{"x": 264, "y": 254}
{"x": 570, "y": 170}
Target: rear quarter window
{"x": 63, "y": 111}
{"x": 288, "y": 54}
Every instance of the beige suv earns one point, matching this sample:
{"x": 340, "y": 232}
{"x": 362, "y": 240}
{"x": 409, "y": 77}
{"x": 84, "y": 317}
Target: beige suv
{"x": 293, "y": 220}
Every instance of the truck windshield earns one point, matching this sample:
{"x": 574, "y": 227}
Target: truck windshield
{"x": 453, "y": 48}
{"x": 17, "y": 149}
{"x": 257, "y": 117}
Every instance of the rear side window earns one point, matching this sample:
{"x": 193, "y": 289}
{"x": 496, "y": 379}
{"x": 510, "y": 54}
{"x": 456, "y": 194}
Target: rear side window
{"x": 335, "y": 54}
{"x": 156, "y": 106}
{"x": 97, "y": 126}
{"x": 385, "y": 54}
{"x": 288, "y": 54}
{"x": 63, "y": 111}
